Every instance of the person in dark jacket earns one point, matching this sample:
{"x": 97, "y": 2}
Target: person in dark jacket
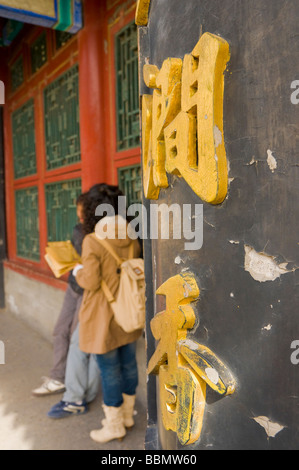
{"x": 68, "y": 318}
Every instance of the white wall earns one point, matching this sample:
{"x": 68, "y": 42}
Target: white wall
{"x": 35, "y": 302}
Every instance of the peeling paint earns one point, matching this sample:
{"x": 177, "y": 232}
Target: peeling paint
{"x": 184, "y": 270}
{"x": 268, "y": 327}
{"x": 187, "y": 289}
{"x": 190, "y": 344}
{"x": 178, "y": 260}
{"x": 208, "y": 223}
{"x": 271, "y": 428}
{"x": 263, "y": 267}
{"x": 252, "y": 161}
{"x": 217, "y": 136}
{"x": 212, "y": 375}
{"x": 271, "y": 160}
{"x": 234, "y": 242}
{"x": 230, "y": 178}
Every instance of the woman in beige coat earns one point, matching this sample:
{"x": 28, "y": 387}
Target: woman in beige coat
{"x": 115, "y": 350}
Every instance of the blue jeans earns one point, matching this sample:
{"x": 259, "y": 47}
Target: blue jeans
{"x": 119, "y": 374}
{"x": 82, "y": 378}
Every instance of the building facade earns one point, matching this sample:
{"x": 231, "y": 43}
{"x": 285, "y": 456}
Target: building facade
{"x": 217, "y": 89}
{"x": 70, "y": 120}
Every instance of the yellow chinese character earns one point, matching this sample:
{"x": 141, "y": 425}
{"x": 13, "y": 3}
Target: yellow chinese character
{"x": 166, "y": 103}
{"x": 187, "y": 120}
{"x": 151, "y": 191}
{"x": 184, "y": 367}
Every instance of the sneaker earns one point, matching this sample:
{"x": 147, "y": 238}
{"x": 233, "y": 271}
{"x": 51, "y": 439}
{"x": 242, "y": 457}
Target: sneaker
{"x": 49, "y": 387}
{"x": 63, "y": 409}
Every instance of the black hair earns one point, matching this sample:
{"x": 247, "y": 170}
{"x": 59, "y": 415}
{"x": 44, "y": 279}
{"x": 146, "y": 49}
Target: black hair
{"x": 81, "y": 199}
{"x": 101, "y": 193}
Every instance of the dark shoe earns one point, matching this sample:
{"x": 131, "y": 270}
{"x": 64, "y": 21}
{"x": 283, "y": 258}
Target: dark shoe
{"x": 63, "y": 409}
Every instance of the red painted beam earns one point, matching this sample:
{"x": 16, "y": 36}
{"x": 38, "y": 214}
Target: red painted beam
{"x": 91, "y": 94}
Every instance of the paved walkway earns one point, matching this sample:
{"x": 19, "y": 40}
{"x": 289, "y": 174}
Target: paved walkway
{"x": 24, "y": 424}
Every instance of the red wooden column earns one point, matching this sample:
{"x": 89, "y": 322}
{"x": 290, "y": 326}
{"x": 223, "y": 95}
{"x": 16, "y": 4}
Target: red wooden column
{"x": 91, "y": 94}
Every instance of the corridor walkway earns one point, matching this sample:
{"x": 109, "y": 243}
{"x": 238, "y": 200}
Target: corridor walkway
{"x": 24, "y": 424}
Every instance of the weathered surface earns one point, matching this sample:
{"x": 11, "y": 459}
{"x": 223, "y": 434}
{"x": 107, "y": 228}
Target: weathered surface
{"x": 37, "y": 303}
{"x": 248, "y": 307}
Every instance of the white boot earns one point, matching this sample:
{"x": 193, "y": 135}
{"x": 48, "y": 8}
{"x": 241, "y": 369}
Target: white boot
{"x": 113, "y": 426}
{"x": 128, "y": 410}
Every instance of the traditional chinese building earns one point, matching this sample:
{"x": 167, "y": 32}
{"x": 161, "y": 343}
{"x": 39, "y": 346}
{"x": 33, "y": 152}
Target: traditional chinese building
{"x": 215, "y": 85}
{"x": 70, "y": 120}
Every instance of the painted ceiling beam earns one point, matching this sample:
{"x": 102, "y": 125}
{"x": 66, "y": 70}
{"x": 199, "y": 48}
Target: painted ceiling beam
{"x": 63, "y": 15}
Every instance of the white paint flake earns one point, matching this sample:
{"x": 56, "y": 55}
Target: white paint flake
{"x": 189, "y": 344}
{"x": 271, "y": 160}
{"x": 271, "y": 428}
{"x": 217, "y": 136}
{"x": 212, "y": 375}
{"x": 262, "y": 267}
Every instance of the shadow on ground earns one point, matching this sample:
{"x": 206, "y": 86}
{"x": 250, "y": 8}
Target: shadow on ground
{"x": 24, "y": 424}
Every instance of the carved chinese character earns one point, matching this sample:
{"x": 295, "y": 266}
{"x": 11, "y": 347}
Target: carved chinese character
{"x": 151, "y": 191}
{"x": 184, "y": 367}
{"x": 166, "y": 103}
{"x": 187, "y": 121}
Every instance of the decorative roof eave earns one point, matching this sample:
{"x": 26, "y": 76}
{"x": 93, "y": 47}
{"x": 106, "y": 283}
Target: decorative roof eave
{"x": 64, "y": 15}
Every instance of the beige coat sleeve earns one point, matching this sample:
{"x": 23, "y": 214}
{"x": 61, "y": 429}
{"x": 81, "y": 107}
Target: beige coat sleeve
{"x": 89, "y": 277}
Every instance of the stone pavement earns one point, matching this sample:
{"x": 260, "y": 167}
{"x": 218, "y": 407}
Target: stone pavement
{"x": 24, "y": 424}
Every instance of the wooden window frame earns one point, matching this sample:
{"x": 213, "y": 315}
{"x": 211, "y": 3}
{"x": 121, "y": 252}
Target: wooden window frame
{"x": 132, "y": 156}
{"x": 33, "y": 87}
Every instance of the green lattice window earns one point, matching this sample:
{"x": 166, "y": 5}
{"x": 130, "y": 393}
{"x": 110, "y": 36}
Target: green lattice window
{"x": 24, "y": 140}
{"x": 62, "y": 37}
{"x": 130, "y": 183}
{"x": 62, "y": 120}
{"x": 27, "y": 223}
{"x": 61, "y": 209}
{"x": 17, "y": 73}
{"x": 38, "y": 51}
{"x": 127, "y": 95}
